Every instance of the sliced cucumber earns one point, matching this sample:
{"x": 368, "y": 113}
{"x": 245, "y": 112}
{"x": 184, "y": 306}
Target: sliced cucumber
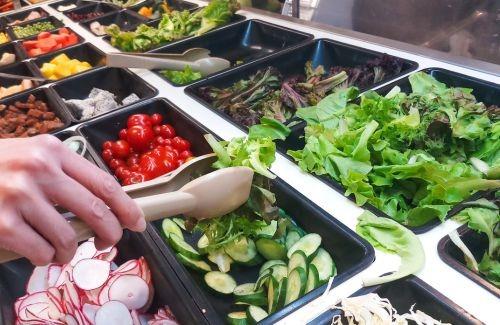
{"x": 324, "y": 265}
{"x": 243, "y": 251}
{"x": 220, "y": 282}
{"x": 245, "y": 293}
{"x": 180, "y": 222}
{"x": 279, "y": 272}
{"x": 237, "y": 318}
{"x": 262, "y": 279}
{"x": 199, "y": 266}
{"x": 222, "y": 260}
{"x": 296, "y": 285}
{"x": 291, "y": 238}
{"x": 255, "y": 314}
{"x": 181, "y": 247}
{"x": 270, "y": 249}
{"x": 269, "y": 264}
{"x": 269, "y": 230}
{"x": 298, "y": 259}
{"x": 170, "y": 227}
{"x": 272, "y": 295}
{"x": 281, "y": 293}
{"x": 202, "y": 244}
{"x": 312, "y": 279}
{"x": 308, "y": 244}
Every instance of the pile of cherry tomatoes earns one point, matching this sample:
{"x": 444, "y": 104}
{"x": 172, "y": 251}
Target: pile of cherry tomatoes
{"x": 145, "y": 150}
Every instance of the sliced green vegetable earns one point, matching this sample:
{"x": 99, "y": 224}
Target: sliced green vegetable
{"x": 269, "y": 230}
{"x": 222, "y": 260}
{"x": 298, "y": 259}
{"x": 270, "y": 249}
{"x": 243, "y": 251}
{"x": 307, "y": 244}
{"x": 180, "y": 222}
{"x": 291, "y": 238}
{"x": 279, "y": 272}
{"x": 269, "y": 264}
{"x": 245, "y": 293}
{"x": 272, "y": 295}
{"x": 181, "y": 247}
{"x": 199, "y": 266}
{"x": 255, "y": 314}
{"x": 170, "y": 227}
{"x": 220, "y": 282}
{"x": 237, "y": 318}
{"x": 324, "y": 265}
{"x": 296, "y": 285}
{"x": 312, "y": 279}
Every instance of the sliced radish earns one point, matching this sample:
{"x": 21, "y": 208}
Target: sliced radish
{"x": 135, "y": 317}
{"x": 84, "y": 251}
{"x": 113, "y": 313}
{"x": 71, "y": 294}
{"x": 66, "y": 275}
{"x": 38, "y": 280}
{"x": 90, "y": 274}
{"x": 131, "y": 267}
{"x": 131, "y": 290}
{"x": 53, "y": 274}
{"x": 93, "y": 295}
{"x": 70, "y": 320}
{"x": 108, "y": 256}
{"x": 89, "y": 311}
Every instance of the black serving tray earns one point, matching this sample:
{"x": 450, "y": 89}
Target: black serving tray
{"x": 154, "y": 23}
{"x": 174, "y": 4}
{"x": 477, "y": 244}
{"x": 66, "y": 134}
{"x": 121, "y": 82}
{"x": 241, "y": 43}
{"x": 6, "y": 20}
{"x": 403, "y": 294}
{"x": 14, "y": 48}
{"x": 105, "y": 8}
{"x": 78, "y": 3}
{"x": 106, "y": 127}
{"x": 23, "y": 68}
{"x": 83, "y": 52}
{"x": 125, "y": 19}
{"x": 324, "y": 52}
{"x": 56, "y": 22}
{"x": 168, "y": 290}
{"x": 350, "y": 253}
{"x": 48, "y": 97}
{"x": 56, "y": 31}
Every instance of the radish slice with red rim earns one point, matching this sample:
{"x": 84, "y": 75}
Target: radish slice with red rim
{"x": 53, "y": 274}
{"x": 89, "y": 311}
{"x": 84, "y": 251}
{"x": 90, "y": 274}
{"x": 70, "y": 320}
{"x": 38, "y": 280}
{"x": 113, "y": 313}
{"x": 131, "y": 290}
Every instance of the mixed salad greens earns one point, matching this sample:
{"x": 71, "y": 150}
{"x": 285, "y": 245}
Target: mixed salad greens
{"x": 267, "y": 93}
{"x": 174, "y": 25}
{"x": 182, "y": 77}
{"x": 292, "y": 263}
{"x": 484, "y": 217}
{"x": 413, "y": 156}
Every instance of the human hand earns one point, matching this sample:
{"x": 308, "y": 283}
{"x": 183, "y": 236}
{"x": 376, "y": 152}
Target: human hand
{"x": 38, "y": 172}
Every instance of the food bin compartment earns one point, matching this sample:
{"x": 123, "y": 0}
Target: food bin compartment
{"x": 168, "y": 290}
{"x": 94, "y": 8}
{"x": 66, "y": 134}
{"x": 77, "y": 3}
{"x": 484, "y": 91}
{"x": 125, "y": 19}
{"x": 350, "y": 253}
{"x": 13, "y": 48}
{"x": 9, "y": 19}
{"x": 106, "y": 127}
{"x": 477, "y": 244}
{"x": 154, "y": 23}
{"x": 23, "y": 68}
{"x": 121, "y": 82}
{"x": 173, "y": 4}
{"x": 48, "y": 97}
{"x": 83, "y": 52}
{"x": 250, "y": 40}
{"x": 291, "y": 62}
{"x": 55, "y": 22}
{"x": 405, "y": 293}
{"x": 32, "y": 38}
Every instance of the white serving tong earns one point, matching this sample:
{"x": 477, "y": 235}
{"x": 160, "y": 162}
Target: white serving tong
{"x": 198, "y": 59}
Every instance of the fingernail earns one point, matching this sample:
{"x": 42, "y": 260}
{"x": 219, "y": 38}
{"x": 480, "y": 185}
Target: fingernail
{"x": 140, "y": 225}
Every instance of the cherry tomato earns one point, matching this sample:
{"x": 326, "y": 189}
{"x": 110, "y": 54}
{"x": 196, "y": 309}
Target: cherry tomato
{"x": 168, "y": 142}
{"x": 107, "y": 155}
{"x": 185, "y": 154}
{"x": 156, "y": 119}
{"x": 170, "y": 155}
{"x": 140, "y": 137}
{"x": 167, "y": 131}
{"x": 181, "y": 144}
{"x": 138, "y": 119}
{"x": 136, "y": 177}
{"x": 179, "y": 162}
{"x": 115, "y": 163}
{"x": 150, "y": 165}
{"x": 157, "y": 129}
{"x": 134, "y": 168}
{"x": 123, "y": 134}
{"x": 121, "y": 149}
{"x": 158, "y": 152}
{"x": 159, "y": 140}
{"x": 122, "y": 172}
{"x": 107, "y": 145}
{"x": 133, "y": 160}
{"x": 168, "y": 165}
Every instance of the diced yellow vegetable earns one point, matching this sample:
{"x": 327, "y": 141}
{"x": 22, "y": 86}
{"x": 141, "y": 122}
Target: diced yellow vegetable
{"x": 63, "y": 66}
{"x": 60, "y": 59}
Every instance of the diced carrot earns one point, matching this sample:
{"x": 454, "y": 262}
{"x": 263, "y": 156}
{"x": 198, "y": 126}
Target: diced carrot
{"x": 35, "y": 52}
{"x": 58, "y": 47}
{"x": 60, "y": 39}
{"x": 43, "y": 35}
{"x": 47, "y": 44}
{"x": 72, "y": 39}
{"x": 28, "y": 45}
{"x": 63, "y": 30}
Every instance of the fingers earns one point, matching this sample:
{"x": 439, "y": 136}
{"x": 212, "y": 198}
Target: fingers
{"x": 52, "y": 226}
{"x": 73, "y": 196}
{"x": 106, "y": 188}
{"x": 19, "y": 237}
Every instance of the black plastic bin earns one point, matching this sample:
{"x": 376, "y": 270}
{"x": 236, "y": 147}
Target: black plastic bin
{"x": 25, "y": 53}
{"x": 406, "y": 292}
{"x": 103, "y": 8}
{"x": 106, "y": 127}
{"x": 77, "y": 3}
{"x": 66, "y": 134}
{"x": 350, "y": 253}
{"x": 477, "y": 244}
{"x": 23, "y": 68}
{"x": 9, "y": 19}
{"x": 82, "y": 52}
{"x": 48, "y": 97}
{"x": 173, "y": 4}
{"x": 15, "y": 48}
{"x": 121, "y": 82}
{"x": 168, "y": 290}
{"x": 125, "y": 19}
{"x": 241, "y": 43}
{"x": 55, "y": 22}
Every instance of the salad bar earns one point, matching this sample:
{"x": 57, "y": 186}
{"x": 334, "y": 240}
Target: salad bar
{"x": 361, "y": 154}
